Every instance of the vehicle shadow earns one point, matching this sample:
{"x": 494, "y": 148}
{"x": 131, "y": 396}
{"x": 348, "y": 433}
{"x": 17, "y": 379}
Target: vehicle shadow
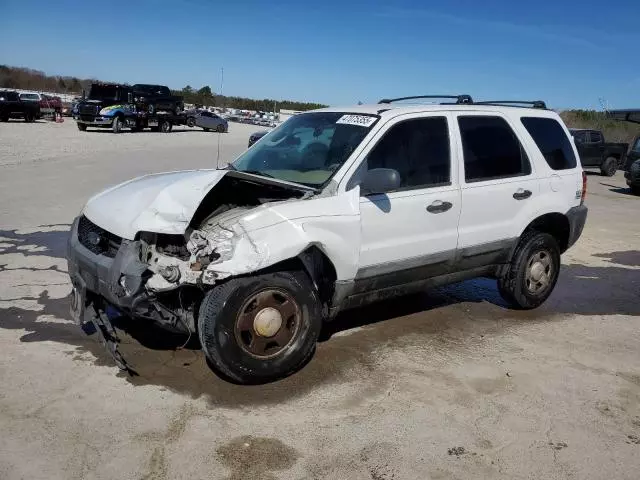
{"x": 618, "y": 189}
{"x": 450, "y": 320}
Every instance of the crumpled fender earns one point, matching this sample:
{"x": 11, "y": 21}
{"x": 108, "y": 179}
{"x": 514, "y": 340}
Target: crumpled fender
{"x": 271, "y": 234}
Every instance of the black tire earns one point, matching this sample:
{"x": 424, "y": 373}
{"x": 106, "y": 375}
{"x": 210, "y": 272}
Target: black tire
{"x": 29, "y": 117}
{"x": 515, "y": 285}
{"x": 220, "y": 128}
{"x": 206, "y": 129}
{"x": 220, "y": 314}
{"x": 165, "y": 126}
{"x": 4, "y": 117}
{"x": 82, "y": 127}
{"x": 635, "y": 189}
{"x": 609, "y": 167}
{"x": 116, "y": 126}
{"x": 191, "y": 122}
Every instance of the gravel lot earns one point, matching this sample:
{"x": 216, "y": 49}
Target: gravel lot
{"x": 444, "y": 385}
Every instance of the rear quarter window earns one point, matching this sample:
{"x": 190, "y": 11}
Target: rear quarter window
{"x": 552, "y": 141}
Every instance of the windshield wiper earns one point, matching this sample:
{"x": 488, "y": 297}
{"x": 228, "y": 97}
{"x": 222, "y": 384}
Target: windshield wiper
{"x": 257, "y": 172}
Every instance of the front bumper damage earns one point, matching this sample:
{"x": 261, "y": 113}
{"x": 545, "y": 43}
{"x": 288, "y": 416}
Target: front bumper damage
{"x": 136, "y": 277}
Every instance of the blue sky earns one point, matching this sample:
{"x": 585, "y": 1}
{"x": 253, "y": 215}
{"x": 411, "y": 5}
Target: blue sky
{"x": 570, "y": 54}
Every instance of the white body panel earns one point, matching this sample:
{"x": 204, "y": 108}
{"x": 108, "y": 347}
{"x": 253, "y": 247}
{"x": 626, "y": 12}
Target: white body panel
{"x": 354, "y": 232}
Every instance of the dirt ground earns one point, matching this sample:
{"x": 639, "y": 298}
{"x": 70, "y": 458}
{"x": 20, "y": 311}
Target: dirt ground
{"x": 449, "y": 384}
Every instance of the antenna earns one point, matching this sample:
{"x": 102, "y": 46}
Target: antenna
{"x": 221, "y": 89}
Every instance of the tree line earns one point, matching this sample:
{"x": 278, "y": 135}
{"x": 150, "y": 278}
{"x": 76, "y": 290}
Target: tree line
{"x": 206, "y": 97}
{"x": 29, "y": 79}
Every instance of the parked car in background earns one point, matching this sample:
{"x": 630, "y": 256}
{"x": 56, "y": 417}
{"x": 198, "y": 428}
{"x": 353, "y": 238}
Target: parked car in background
{"x": 49, "y": 105}
{"x": 207, "y": 121}
{"x": 595, "y": 152}
{"x": 12, "y": 106}
{"x": 256, "y": 136}
{"x": 632, "y": 165}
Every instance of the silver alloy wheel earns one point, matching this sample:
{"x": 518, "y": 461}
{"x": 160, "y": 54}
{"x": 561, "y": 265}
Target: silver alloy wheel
{"x": 539, "y": 272}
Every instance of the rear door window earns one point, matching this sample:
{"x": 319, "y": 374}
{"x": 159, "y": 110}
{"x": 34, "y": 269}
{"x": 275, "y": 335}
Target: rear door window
{"x": 491, "y": 149}
{"x": 552, "y": 142}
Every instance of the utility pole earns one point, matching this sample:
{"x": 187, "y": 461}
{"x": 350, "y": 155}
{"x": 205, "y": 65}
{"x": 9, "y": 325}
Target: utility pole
{"x": 222, "y": 83}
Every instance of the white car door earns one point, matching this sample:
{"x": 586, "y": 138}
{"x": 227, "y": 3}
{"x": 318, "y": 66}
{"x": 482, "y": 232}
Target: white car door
{"x": 411, "y": 233}
{"x": 498, "y": 185}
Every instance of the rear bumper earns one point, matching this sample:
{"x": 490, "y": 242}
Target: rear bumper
{"x": 577, "y": 218}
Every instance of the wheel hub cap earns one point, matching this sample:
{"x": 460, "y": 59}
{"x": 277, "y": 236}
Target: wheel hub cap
{"x": 267, "y": 322}
{"x": 537, "y": 270}
{"x": 539, "y": 273}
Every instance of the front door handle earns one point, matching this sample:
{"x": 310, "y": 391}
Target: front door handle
{"x": 522, "y": 194}
{"x": 439, "y": 206}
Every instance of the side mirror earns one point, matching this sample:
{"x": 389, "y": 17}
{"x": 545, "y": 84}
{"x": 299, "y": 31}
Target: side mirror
{"x": 380, "y": 180}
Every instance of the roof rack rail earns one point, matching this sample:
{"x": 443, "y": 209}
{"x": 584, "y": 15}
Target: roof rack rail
{"x": 458, "y": 98}
{"x": 514, "y": 103}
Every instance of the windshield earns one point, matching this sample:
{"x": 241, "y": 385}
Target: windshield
{"x": 308, "y": 148}
{"x": 29, "y": 96}
{"x": 104, "y": 92}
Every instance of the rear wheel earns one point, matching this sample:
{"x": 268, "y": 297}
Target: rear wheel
{"x": 533, "y": 271}
{"x": 29, "y": 117}
{"x": 191, "y": 122}
{"x": 635, "y": 189}
{"x": 609, "y": 167}
{"x": 258, "y": 329}
{"x": 82, "y": 127}
{"x": 221, "y": 128}
{"x": 117, "y": 125}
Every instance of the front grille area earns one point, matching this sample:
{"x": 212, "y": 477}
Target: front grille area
{"x": 97, "y": 239}
{"x": 88, "y": 109}
{"x": 87, "y": 118}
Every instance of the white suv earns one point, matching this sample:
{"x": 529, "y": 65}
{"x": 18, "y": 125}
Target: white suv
{"x": 333, "y": 209}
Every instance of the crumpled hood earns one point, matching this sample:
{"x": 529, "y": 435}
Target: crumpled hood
{"x": 160, "y": 203}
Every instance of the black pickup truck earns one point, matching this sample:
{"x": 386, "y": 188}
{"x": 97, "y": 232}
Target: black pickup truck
{"x": 595, "y": 152}
{"x": 632, "y": 165}
{"x": 11, "y": 106}
{"x": 117, "y": 106}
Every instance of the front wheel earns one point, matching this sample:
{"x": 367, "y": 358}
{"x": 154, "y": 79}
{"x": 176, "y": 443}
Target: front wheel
{"x": 221, "y": 128}
{"x": 116, "y": 127}
{"x": 191, "y": 122}
{"x": 533, "y": 271}
{"x": 609, "y": 167}
{"x": 262, "y": 328}
{"x": 165, "y": 126}
{"x": 29, "y": 117}
{"x": 82, "y": 127}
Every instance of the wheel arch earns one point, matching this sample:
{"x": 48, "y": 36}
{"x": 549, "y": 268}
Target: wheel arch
{"x": 316, "y": 264}
{"x": 555, "y": 224}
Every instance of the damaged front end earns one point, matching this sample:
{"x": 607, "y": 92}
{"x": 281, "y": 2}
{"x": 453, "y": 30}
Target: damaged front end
{"x": 162, "y": 276}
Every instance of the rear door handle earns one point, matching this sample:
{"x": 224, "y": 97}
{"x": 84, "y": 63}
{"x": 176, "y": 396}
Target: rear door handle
{"x": 439, "y": 206}
{"x": 522, "y": 194}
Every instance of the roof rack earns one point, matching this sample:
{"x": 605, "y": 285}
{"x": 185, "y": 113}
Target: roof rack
{"x": 514, "y": 103}
{"x": 467, "y": 100}
{"x": 459, "y": 99}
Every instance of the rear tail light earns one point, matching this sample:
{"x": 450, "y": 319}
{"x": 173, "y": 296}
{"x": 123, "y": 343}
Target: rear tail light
{"x": 584, "y": 187}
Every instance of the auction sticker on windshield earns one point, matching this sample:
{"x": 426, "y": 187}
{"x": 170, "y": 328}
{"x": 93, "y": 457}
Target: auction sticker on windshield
{"x": 360, "y": 120}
